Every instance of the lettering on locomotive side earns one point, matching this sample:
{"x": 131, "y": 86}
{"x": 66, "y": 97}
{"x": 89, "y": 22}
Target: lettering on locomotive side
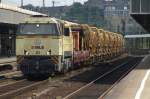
{"x": 37, "y": 47}
{"x": 38, "y": 44}
{"x": 37, "y": 52}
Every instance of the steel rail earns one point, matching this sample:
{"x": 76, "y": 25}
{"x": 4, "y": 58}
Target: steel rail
{"x": 8, "y": 74}
{"x": 24, "y": 86}
{"x": 92, "y": 82}
{"x": 112, "y": 86}
{"x": 5, "y": 63}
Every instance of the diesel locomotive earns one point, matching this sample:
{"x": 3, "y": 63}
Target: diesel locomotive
{"x": 46, "y": 45}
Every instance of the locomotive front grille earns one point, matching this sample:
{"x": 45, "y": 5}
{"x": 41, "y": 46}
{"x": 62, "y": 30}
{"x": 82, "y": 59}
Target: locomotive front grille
{"x": 39, "y": 64}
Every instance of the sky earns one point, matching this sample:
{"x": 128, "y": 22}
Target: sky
{"x": 39, "y": 2}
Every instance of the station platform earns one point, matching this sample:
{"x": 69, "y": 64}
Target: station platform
{"x": 6, "y": 60}
{"x": 136, "y": 85}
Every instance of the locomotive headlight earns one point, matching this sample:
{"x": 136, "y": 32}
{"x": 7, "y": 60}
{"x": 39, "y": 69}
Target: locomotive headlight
{"x": 49, "y": 52}
{"x": 26, "y": 52}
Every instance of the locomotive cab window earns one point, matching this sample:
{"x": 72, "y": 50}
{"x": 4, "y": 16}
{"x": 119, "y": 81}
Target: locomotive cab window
{"x": 66, "y": 32}
{"x": 28, "y": 28}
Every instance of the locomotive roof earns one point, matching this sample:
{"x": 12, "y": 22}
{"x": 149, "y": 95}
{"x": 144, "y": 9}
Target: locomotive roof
{"x": 68, "y": 24}
{"x": 46, "y": 19}
{"x": 43, "y": 19}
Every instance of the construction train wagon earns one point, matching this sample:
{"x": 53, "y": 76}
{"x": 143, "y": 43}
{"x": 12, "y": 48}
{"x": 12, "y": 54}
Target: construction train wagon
{"x": 47, "y": 45}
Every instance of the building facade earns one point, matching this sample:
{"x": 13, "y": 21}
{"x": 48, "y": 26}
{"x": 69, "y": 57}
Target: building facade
{"x": 116, "y": 8}
{"x": 111, "y": 7}
{"x": 140, "y": 11}
{"x": 55, "y": 11}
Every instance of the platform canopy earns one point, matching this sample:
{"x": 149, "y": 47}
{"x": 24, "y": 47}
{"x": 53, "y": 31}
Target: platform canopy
{"x": 138, "y": 36}
{"x": 140, "y": 11}
{"x": 143, "y": 19}
{"x": 14, "y": 15}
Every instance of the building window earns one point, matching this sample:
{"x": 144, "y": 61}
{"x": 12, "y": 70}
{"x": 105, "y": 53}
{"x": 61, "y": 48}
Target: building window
{"x": 110, "y": 8}
{"x": 113, "y": 8}
{"x": 108, "y": 0}
{"x": 125, "y": 8}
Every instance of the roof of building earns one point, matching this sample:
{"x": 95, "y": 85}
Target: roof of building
{"x": 138, "y": 36}
{"x": 18, "y": 9}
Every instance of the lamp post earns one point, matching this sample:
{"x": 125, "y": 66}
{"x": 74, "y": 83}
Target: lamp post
{"x": 43, "y": 3}
{"x": 21, "y": 3}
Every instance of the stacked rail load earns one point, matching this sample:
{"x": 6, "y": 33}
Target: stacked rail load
{"x": 47, "y": 45}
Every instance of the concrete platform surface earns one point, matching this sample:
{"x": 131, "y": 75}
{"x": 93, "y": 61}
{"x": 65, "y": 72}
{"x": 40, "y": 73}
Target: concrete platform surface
{"x": 7, "y": 60}
{"x": 136, "y": 85}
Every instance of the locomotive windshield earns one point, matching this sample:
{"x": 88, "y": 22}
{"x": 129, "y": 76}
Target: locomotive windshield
{"x": 38, "y": 29}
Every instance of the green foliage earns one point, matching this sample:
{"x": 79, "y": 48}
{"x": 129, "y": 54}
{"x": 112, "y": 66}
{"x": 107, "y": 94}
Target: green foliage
{"x": 85, "y": 14}
{"x": 77, "y": 13}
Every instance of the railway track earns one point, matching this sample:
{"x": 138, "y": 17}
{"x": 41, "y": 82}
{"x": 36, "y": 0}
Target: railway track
{"x": 80, "y": 86}
{"x": 10, "y": 80}
{"x": 18, "y": 87}
{"x": 9, "y": 74}
{"x": 7, "y": 65}
{"x": 52, "y": 84}
{"x": 8, "y": 69}
{"x": 99, "y": 87}
{"x": 7, "y": 77}
{"x": 7, "y": 62}
{"x": 71, "y": 85}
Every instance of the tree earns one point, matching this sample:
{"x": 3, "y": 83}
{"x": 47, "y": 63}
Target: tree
{"x": 85, "y": 14}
